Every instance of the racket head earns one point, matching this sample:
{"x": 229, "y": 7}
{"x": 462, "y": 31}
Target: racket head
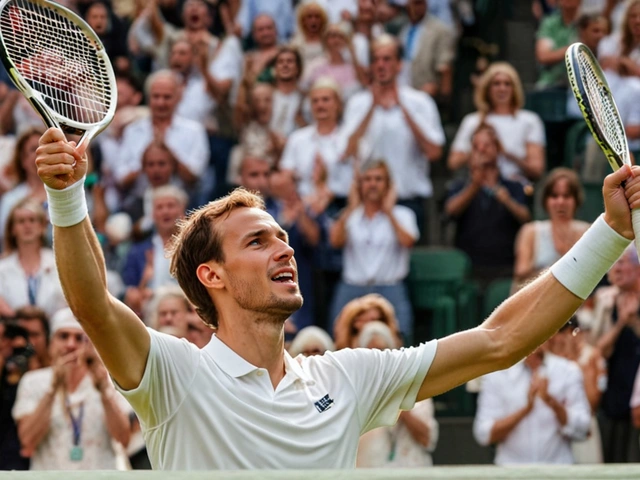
{"x": 59, "y": 64}
{"x": 591, "y": 90}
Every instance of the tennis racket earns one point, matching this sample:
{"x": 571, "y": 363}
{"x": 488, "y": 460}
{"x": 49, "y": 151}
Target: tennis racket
{"x": 592, "y": 92}
{"x": 60, "y": 65}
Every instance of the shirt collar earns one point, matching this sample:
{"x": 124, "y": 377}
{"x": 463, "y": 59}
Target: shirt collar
{"x": 236, "y": 366}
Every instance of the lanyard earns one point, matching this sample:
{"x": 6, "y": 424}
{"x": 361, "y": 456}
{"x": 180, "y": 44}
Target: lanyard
{"x": 76, "y": 422}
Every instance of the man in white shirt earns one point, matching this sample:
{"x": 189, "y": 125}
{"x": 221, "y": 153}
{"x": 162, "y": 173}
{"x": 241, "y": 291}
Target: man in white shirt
{"x": 287, "y": 97}
{"x": 242, "y": 401}
{"x": 399, "y": 124}
{"x": 186, "y": 138}
{"x": 375, "y": 235}
{"x": 533, "y": 410}
{"x": 320, "y": 142}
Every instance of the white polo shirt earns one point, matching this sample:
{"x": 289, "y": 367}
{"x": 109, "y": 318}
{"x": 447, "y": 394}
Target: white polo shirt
{"x": 211, "y": 409}
{"x": 186, "y": 138}
{"x": 391, "y": 139}
{"x": 299, "y": 156}
{"x": 373, "y": 255}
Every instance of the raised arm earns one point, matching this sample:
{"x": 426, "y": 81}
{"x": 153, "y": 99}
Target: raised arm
{"x": 118, "y": 334}
{"x": 536, "y": 312}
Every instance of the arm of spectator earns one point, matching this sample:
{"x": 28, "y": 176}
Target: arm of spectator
{"x": 594, "y": 371}
{"x": 417, "y": 427}
{"x": 635, "y": 401}
{"x": 359, "y": 132}
{"x": 361, "y": 72}
{"x": 338, "y": 230}
{"x": 626, "y": 314}
{"x": 520, "y": 212}
{"x": 533, "y": 164}
{"x": 147, "y": 31}
{"x": 430, "y": 149}
{"x": 8, "y": 99}
{"x": 525, "y": 241}
{"x": 34, "y": 427}
{"x": 406, "y": 235}
{"x": 558, "y": 409}
{"x": 5, "y": 310}
{"x": 547, "y": 54}
{"x": 458, "y": 203}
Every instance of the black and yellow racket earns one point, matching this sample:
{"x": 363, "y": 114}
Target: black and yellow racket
{"x": 59, "y": 64}
{"x": 592, "y": 92}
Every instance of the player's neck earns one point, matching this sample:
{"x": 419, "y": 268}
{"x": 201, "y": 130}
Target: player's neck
{"x": 259, "y": 343}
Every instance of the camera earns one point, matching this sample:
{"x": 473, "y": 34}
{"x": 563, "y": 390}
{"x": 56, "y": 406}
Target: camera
{"x": 17, "y": 364}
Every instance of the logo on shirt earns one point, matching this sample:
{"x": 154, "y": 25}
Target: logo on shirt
{"x": 325, "y": 403}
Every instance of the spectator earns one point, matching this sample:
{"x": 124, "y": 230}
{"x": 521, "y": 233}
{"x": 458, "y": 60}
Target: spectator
{"x": 254, "y": 175}
{"x": 68, "y": 415}
{"x": 260, "y": 59}
{"x": 429, "y": 51}
{"x": 23, "y": 169}
{"x": 186, "y": 139}
{"x": 338, "y": 62}
{"x": 488, "y": 210}
{"x": 556, "y": 32}
{"x": 399, "y": 124}
{"x": 499, "y": 99}
{"x": 146, "y": 267}
{"x": 14, "y": 363}
{"x": 620, "y": 51}
{"x": 287, "y": 97}
{"x": 312, "y": 22}
{"x": 106, "y": 147}
{"x": 376, "y": 235}
{"x": 279, "y": 10}
{"x": 541, "y": 243}
{"x": 320, "y": 142}
{"x": 311, "y": 340}
{"x": 360, "y": 311}
{"x": 571, "y": 343}
{"x": 36, "y": 323}
{"x": 338, "y": 10}
{"x": 257, "y": 138}
{"x": 150, "y": 35}
{"x": 28, "y": 274}
{"x": 111, "y": 32}
{"x": 615, "y": 332}
{"x": 198, "y": 332}
{"x": 366, "y": 30}
{"x": 158, "y": 170}
{"x": 533, "y": 410}
{"x": 410, "y": 442}
{"x": 168, "y": 311}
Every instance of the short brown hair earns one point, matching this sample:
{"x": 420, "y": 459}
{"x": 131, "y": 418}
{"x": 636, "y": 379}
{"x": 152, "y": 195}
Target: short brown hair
{"x": 562, "y": 173}
{"x": 295, "y": 52}
{"x": 199, "y": 241}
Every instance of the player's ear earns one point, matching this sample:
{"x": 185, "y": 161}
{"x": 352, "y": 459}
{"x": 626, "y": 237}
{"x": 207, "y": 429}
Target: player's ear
{"x": 210, "y": 275}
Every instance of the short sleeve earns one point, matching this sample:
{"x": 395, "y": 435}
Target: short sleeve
{"x": 490, "y": 409}
{"x": 171, "y": 368}
{"x": 288, "y": 161}
{"x": 425, "y": 113}
{"x": 462, "y": 140}
{"x": 31, "y": 389}
{"x": 546, "y": 29}
{"x": 535, "y": 132}
{"x": 384, "y": 381}
{"x": 227, "y": 65}
{"x": 407, "y": 220}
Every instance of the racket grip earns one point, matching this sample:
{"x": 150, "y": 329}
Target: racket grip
{"x": 635, "y": 220}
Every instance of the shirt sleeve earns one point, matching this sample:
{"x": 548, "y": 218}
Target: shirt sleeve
{"x": 31, "y": 389}
{"x": 384, "y": 381}
{"x": 535, "y": 132}
{"x": 288, "y": 161}
{"x": 576, "y": 405}
{"x": 407, "y": 220}
{"x": 490, "y": 409}
{"x": 194, "y": 154}
{"x": 425, "y": 113}
{"x": 545, "y": 31}
{"x": 228, "y": 63}
{"x": 635, "y": 395}
{"x": 462, "y": 140}
{"x": 170, "y": 370}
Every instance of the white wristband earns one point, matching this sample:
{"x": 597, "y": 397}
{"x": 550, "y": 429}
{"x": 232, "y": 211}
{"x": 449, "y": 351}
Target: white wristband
{"x": 67, "y": 207}
{"x": 583, "y": 266}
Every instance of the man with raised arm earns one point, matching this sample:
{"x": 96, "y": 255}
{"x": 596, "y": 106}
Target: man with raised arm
{"x": 242, "y": 401}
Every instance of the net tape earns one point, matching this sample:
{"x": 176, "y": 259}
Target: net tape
{"x": 57, "y": 60}
{"x": 602, "y": 105}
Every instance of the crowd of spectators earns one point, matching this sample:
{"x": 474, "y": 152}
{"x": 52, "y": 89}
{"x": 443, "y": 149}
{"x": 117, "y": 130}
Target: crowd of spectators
{"x": 332, "y": 110}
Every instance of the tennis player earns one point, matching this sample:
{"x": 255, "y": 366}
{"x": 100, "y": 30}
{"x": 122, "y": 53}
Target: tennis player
{"x": 242, "y": 401}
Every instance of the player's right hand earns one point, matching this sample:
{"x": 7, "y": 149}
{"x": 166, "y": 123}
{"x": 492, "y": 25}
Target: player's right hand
{"x": 60, "y": 164}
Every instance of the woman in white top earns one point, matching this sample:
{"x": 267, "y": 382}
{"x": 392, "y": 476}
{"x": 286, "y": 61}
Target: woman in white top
{"x": 620, "y": 51}
{"x": 499, "y": 99}
{"x": 23, "y": 169}
{"x": 28, "y": 274}
{"x": 409, "y": 443}
{"x": 539, "y": 244}
{"x": 312, "y": 22}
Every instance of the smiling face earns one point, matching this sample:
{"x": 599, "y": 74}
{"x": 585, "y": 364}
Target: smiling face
{"x": 259, "y": 274}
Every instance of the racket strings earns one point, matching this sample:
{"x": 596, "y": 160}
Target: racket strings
{"x": 58, "y": 60}
{"x": 604, "y": 108}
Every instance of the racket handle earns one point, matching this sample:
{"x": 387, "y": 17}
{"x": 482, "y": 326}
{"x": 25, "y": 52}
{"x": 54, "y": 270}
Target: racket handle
{"x": 635, "y": 219}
